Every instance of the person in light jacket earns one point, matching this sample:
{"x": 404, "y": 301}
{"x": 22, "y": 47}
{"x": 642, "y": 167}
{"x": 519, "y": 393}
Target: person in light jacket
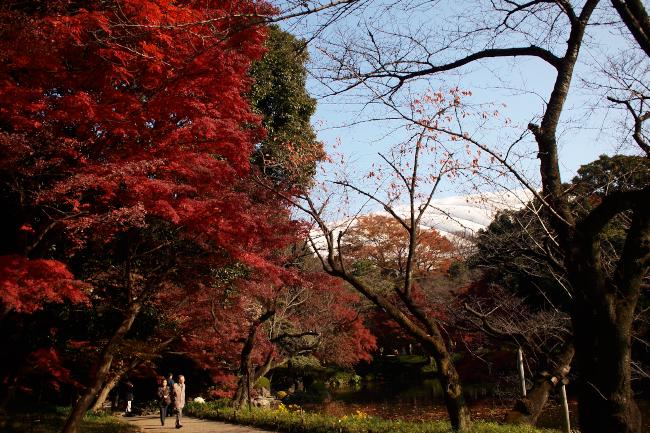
{"x": 179, "y": 399}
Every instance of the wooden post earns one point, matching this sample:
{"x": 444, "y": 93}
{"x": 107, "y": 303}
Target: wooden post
{"x": 520, "y": 365}
{"x": 565, "y": 407}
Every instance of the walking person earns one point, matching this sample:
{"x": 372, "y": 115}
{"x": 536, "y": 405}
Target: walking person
{"x": 170, "y": 384}
{"x": 163, "y": 399}
{"x": 179, "y": 399}
{"x": 129, "y": 398}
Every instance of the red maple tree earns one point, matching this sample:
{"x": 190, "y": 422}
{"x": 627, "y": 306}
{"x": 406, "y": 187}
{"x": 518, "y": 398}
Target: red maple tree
{"x": 255, "y": 324}
{"x": 125, "y": 141}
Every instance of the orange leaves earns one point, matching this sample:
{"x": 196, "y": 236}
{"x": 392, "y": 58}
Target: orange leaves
{"x": 383, "y": 241}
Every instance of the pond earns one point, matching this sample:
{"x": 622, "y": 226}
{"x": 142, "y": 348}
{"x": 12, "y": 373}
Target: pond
{"x": 424, "y": 401}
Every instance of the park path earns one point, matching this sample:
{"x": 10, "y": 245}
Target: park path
{"x": 151, "y": 424}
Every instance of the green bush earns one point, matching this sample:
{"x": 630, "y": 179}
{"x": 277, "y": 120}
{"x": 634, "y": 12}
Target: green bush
{"x": 263, "y": 382}
{"x": 343, "y": 378}
{"x": 220, "y": 402}
{"x": 291, "y": 419}
{"x": 305, "y": 362}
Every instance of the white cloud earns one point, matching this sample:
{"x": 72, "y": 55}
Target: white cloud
{"x": 456, "y": 215}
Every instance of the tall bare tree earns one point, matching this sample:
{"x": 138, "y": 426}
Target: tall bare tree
{"x": 405, "y": 188}
{"x": 383, "y": 61}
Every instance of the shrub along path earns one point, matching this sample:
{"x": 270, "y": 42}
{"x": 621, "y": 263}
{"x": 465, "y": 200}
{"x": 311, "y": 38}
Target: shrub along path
{"x": 151, "y": 424}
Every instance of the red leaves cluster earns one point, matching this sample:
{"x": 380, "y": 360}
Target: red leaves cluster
{"x": 25, "y": 285}
{"x": 121, "y": 111}
{"x": 125, "y": 136}
{"x": 46, "y": 363}
{"x": 118, "y": 118}
{"x": 303, "y": 302}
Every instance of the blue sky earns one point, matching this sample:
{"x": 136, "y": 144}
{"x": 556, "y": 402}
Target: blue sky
{"x": 522, "y": 85}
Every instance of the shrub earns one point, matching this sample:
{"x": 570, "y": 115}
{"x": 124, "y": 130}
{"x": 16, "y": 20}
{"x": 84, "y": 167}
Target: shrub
{"x": 343, "y": 378}
{"x": 263, "y": 382}
{"x": 292, "y": 419}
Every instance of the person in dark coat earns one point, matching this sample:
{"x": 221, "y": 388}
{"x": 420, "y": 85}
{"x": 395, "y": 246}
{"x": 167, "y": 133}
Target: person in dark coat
{"x": 170, "y": 384}
{"x": 164, "y": 399}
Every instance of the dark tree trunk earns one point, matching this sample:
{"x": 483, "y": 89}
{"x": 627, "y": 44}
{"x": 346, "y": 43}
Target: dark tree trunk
{"x": 605, "y": 398}
{"x": 114, "y": 379}
{"x": 110, "y": 384}
{"x": 242, "y": 395}
{"x": 527, "y": 409}
{"x": 635, "y": 17}
{"x": 602, "y": 305}
{"x": 106, "y": 390}
{"x": 9, "y": 394}
{"x": 103, "y": 366}
{"x": 603, "y": 313}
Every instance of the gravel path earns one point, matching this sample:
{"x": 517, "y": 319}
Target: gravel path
{"x": 151, "y": 424}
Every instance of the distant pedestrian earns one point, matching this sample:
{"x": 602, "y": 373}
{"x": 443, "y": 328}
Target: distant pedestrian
{"x": 164, "y": 399}
{"x": 179, "y": 399}
{"x": 170, "y": 384}
{"x": 129, "y": 398}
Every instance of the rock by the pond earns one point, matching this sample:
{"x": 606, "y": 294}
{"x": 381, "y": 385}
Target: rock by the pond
{"x": 266, "y": 402}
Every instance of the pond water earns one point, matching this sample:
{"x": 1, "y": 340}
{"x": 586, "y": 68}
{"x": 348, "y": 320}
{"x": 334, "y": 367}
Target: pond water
{"x": 423, "y": 401}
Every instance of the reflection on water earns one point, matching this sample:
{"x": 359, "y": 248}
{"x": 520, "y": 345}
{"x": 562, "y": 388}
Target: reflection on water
{"x": 424, "y": 401}
{"x": 426, "y": 392}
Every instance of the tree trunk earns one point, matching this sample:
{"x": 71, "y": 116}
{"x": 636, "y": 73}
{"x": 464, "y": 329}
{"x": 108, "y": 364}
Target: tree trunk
{"x": 602, "y": 316}
{"x": 427, "y": 333}
{"x": 527, "y": 409}
{"x": 605, "y": 397}
{"x": 110, "y": 384}
{"x": 115, "y": 378}
{"x": 566, "y": 420}
{"x": 103, "y": 366}
{"x": 106, "y": 389}
{"x": 522, "y": 374}
{"x": 9, "y": 394}
{"x": 242, "y": 395}
{"x": 459, "y": 415}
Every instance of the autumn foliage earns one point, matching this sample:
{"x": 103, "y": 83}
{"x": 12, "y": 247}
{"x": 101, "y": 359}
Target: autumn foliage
{"x": 383, "y": 241}
{"x": 306, "y": 313}
{"x": 108, "y": 121}
{"x": 125, "y": 140}
{"x": 125, "y": 145}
